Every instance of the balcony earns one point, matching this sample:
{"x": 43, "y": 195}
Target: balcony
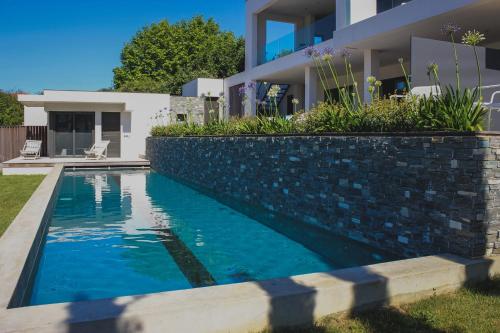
{"x": 313, "y": 34}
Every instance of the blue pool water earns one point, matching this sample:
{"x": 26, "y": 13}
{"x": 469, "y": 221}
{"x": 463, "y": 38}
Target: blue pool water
{"x": 117, "y": 233}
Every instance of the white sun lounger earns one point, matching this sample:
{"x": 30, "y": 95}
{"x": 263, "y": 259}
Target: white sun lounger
{"x": 98, "y": 151}
{"x": 31, "y": 150}
{"x": 422, "y": 91}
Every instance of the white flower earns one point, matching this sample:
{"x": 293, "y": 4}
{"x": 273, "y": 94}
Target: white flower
{"x": 295, "y": 101}
{"x": 274, "y": 91}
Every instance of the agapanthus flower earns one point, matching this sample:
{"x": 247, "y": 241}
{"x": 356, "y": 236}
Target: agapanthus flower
{"x": 242, "y": 91}
{"x": 312, "y": 52}
{"x": 252, "y": 85}
{"x": 295, "y": 101}
{"x": 450, "y": 29}
{"x": 328, "y": 54}
{"x": 346, "y": 53}
{"x": 473, "y": 38}
{"x": 371, "y": 79}
{"x": 274, "y": 91}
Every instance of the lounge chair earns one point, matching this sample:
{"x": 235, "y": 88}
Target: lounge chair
{"x": 492, "y": 105}
{"x": 98, "y": 151}
{"x": 421, "y": 92}
{"x": 31, "y": 150}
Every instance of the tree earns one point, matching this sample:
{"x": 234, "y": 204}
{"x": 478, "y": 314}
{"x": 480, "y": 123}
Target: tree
{"x": 11, "y": 111}
{"x": 162, "y": 57}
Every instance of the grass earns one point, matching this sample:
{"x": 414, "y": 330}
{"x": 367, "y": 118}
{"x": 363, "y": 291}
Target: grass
{"x": 14, "y": 192}
{"x": 474, "y": 309}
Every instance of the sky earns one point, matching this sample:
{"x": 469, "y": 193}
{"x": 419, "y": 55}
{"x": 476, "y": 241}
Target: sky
{"x": 75, "y": 44}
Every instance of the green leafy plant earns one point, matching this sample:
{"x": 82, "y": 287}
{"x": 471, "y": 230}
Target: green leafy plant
{"x": 11, "y": 111}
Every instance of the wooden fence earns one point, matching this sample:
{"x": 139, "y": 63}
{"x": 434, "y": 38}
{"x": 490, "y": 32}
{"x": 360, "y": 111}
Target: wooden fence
{"x": 12, "y": 140}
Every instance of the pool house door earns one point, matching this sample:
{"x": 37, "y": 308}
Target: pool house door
{"x": 111, "y": 131}
{"x": 70, "y": 133}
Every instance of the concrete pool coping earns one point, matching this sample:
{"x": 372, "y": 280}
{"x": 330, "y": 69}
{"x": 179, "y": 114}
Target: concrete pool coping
{"x": 243, "y": 307}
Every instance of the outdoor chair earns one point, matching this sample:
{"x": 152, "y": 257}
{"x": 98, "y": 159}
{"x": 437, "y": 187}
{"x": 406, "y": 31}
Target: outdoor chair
{"x": 492, "y": 105}
{"x": 423, "y": 91}
{"x": 98, "y": 151}
{"x": 31, "y": 150}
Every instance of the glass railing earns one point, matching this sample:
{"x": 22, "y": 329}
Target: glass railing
{"x": 316, "y": 33}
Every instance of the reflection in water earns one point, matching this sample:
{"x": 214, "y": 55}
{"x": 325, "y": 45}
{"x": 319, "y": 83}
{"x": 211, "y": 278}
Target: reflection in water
{"x": 116, "y": 233}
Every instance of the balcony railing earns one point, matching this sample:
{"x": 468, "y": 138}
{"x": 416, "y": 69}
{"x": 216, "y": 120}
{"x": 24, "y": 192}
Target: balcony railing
{"x": 316, "y": 33}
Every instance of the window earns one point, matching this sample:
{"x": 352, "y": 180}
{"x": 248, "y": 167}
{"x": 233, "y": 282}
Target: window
{"x": 493, "y": 59}
{"x": 335, "y": 94}
{"x": 394, "y": 86}
{"x": 384, "y": 5}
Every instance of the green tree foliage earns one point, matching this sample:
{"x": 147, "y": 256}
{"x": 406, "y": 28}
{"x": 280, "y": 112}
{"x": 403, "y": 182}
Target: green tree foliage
{"x": 162, "y": 57}
{"x": 11, "y": 111}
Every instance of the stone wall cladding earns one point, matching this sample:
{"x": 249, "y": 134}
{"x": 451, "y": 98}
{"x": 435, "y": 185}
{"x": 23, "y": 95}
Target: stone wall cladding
{"x": 193, "y": 107}
{"x": 410, "y": 195}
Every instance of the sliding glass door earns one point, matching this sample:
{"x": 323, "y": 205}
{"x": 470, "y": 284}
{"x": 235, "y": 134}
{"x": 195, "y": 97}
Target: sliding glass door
{"x": 71, "y": 133}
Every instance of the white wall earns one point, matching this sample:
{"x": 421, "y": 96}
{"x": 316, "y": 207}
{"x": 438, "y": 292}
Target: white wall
{"x": 425, "y": 51}
{"x": 35, "y": 116}
{"x": 362, "y": 9}
{"x": 138, "y": 119}
{"x": 203, "y": 88}
{"x": 138, "y": 112}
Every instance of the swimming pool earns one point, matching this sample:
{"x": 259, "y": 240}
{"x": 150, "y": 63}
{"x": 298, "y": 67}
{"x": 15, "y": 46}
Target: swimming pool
{"x": 119, "y": 233}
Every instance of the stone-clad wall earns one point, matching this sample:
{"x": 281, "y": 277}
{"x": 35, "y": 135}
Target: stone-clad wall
{"x": 192, "y": 107}
{"x": 411, "y": 195}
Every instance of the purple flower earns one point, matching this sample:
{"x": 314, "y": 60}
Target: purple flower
{"x": 329, "y": 51}
{"x": 242, "y": 91}
{"x": 252, "y": 85}
{"x": 346, "y": 53}
{"x": 311, "y": 52}
{"x": 450, "y": 29}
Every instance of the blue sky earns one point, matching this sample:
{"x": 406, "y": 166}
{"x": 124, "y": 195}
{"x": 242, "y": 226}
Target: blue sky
{"x": 75, "y": 44}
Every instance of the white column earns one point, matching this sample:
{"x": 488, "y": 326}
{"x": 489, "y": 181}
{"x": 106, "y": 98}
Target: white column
{"x": 251, "y": 40}
{"x": 343, "y": 13}
{"x": 251, "y": 102}
{"x": 224, "y": 109}
{"x": 98, "y": 126}
{"x": 308, "y": 29}
{"x": 261, "y": 39}
{"x": 311, "y": 90}
{"x": 371, "y": 68}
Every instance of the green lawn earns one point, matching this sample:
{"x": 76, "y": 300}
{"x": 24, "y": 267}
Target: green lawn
{"x": 14, "y": 192}
{"x": 474, "y": 310}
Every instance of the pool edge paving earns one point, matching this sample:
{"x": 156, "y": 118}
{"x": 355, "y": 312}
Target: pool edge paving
{"x": 253, "y": 306}
{"x": 243, "y": 307}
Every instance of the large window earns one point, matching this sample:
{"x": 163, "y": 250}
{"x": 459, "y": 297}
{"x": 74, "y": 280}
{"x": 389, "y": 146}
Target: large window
{"x": 383, "y": 5}
{"x": 71, "y": 133}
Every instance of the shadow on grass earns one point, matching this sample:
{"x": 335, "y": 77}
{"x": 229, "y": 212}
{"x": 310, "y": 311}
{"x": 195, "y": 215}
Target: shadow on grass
{"x": 369, "y": 308}
{"x": 487, "y": 288}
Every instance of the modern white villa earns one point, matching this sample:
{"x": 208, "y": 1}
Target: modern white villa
{"x": 376, "y": 33}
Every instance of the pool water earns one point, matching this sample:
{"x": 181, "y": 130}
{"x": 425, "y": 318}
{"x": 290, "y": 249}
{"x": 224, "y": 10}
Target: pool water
{"x": 118, "y": 233}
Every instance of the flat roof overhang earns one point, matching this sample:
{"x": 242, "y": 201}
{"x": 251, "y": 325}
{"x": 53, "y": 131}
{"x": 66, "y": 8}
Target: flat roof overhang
{"x": 390, "y": 33}
{"x": 54, "y": 97}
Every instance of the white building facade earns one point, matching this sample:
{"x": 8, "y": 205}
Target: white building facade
{"x": 376, "y": 33}
{"x": 77, "y": 119}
